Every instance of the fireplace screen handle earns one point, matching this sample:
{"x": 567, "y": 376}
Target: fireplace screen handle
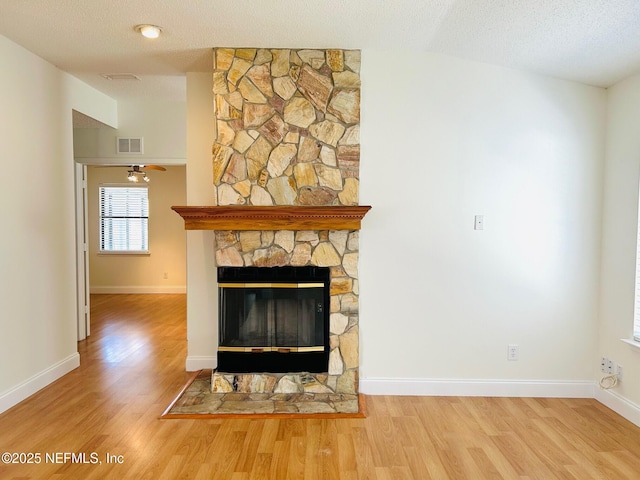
{"x": 319, "y": 308}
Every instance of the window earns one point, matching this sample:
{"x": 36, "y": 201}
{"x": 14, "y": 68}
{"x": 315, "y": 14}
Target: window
{"x": 124, "y": 219}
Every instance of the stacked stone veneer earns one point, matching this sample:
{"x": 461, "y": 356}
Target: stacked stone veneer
{"x": 288, "y": 133}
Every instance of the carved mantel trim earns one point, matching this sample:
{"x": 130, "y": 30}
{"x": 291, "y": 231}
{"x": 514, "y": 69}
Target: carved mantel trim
{"x": 279, "y": 217}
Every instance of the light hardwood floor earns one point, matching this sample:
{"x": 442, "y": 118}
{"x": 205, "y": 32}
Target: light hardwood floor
{"x": 132, "y": 366}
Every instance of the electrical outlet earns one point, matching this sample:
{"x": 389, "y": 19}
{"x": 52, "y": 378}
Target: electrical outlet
{"x": 620, "y": 372}
{"x": 513, "y": 352}
{"x": 603, "y": 364}
{"x": 611, "y": 367}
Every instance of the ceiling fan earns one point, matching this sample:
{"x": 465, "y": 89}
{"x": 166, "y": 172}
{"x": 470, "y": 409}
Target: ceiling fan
{"x": 136, "y": 172}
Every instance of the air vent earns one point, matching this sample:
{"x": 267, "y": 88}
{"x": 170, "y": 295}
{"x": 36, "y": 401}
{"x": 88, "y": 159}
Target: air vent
{"x": 130, "y": 145}
{"x": 120, "y": 76}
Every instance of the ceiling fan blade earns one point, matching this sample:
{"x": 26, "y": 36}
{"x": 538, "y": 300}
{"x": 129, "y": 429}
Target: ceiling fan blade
{"x": 153, "y": 167}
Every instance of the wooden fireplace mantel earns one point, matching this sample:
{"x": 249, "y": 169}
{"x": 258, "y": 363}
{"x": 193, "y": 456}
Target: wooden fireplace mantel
{"x": 280, "y": 217}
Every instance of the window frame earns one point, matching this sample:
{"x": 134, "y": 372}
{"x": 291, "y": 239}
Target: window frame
{"x": 101, "y": 242}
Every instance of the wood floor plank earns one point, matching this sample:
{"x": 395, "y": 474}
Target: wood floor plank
{"x": 132, "y": 367}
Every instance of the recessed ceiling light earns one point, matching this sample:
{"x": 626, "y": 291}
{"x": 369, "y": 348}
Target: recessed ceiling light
{"x": 149, "y": 31}
{"x": 120, "y": 76}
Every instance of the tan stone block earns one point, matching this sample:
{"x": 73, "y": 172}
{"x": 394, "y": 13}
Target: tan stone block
{"x": 228, "y": 196}
{"x": 349, "y": 303}
{"x": 308, "y": 195}
{"x": 308, "y": 149}
{"x": 341, "y": 285}
{"x": 292, "y": 137}
{"x": 280, "y": 158}
{"x": 250, "y": 240}
{"x": 328, "y": 156}
{"x": 351, "y": 136}
{"x": 301, "y": 255}
{"x": 335, "y": 60}
{"x": 350, "y": 192}
{"x": 257, "y": 157}
{"x": 315, "y": 58}
{"x": 243, "y": 187}
{"x": 225, "y": 238}
{"x": 335, "y": 303}
{"x": 242, "y": 141}
{"x": 310, "y": 236}
{"x": 325, "y": 255}
{"x": 299, "y": 111}
{"x": 315, "y": 87}
{"x": 259, "y": 196}
{"x": 338, "y": 239}
{"x": 288, "y": 384}
{"x": 262, "y": 56}
{"x": 254, "y": 115}
{"x": 221, "y": 155}
{"x": 219, "y": 384}
{"x": 350, "y": 264}
{"x": 280, "y": 63}
{"x": 285, "y": 87}
{"x": 349, "y": 348}
{"x": 238, "y": 68}
{"x": 353, "y": 243}
{"x": 268, "y": 237}
{"x": 223, "y": 57}
{"x": 282, "y": 189}
{"x": 336, "y": 365}
{"x": 226, "y": 134}
{"x": 274, "y": 129}
{"x": 337, "y": 324}
{"x": 246, "y": 53}
{"x": 220, "y": 83}
{"x": 285, "y": 239}
{"x": 270, "y": 257}
{"x": 352, "y": 59}
{"x": 345, "y": 104}
{"x": 348, "y": 382}
{"x": 260, "y": 75}
{"x": 236, "y": 170}
{"x": 250, "y": 92}
{"x": 305, "y": 175}
{"x": 334, "y": 341}
{"x": 228, "y": 257}
{"x": 346, "y": 80}
{"x": 263, "y": 178}
{"x": 329, "y": 177}
{"x": 327, "y": 132}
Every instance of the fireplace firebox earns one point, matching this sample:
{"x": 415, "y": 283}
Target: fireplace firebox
{"x": 273, "y": 319}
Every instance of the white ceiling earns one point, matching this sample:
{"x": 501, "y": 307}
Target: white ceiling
{"x": 596, "y": 42}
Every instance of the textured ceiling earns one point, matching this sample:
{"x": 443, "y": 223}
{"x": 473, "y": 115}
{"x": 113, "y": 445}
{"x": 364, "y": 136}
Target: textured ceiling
{"x": 596, "y": 42}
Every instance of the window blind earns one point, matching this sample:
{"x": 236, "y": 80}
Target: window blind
{"x": 124, "y": 219}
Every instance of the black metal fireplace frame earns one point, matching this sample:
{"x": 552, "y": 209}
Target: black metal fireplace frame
{"x": 275, "y": 361}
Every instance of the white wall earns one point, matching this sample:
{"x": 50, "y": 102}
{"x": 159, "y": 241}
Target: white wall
{"x": 620, "y": 221}
{"x": 38, "y": 340}
{"x": 446, "y": 139}
{"x": 161, "y": 123}
{"x": 202, "y": 294}
{"x": 113, "y": 273}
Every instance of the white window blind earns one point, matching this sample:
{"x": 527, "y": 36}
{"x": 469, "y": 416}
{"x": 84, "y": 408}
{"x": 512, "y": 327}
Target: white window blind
{"x": 124, "y": 219}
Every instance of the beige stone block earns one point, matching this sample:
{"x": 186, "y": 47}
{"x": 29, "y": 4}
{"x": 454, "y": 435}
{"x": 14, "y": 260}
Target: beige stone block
{"x": 315, "y": 58}
{"x": 327, "y": 132}
{"x": 299, "y": 111}
{"x": 268, "y": 238}
{"x": 235, "y": 100}
{"x": 288, "y": 384}
{"x": 285, "y": 239}
{"x": 329, "y": 177}
{"x": 223, "y": 57}
{"x": 335, "y": 60}
{"x": 219, "y": 384}
{"x": 226, "y": 134}
{"x": 328, "y": 156}
{"x": 250, "y": 92}
{"x": 351, "y": 136}
{"x": 310, "y": 236}
{"x": 348, "y": 382}
{"x": 220, "y": 83}
{"x": 336, "y": 365}
{"x": 353, "y": 243}
{"x": 221, "y": 155}
{"x": 263, "y": 56}
{"x": 325, "y": 255}
{"x": 260, "y": 197}
{"x": 301, "y": 255}
{"x": 349, "y": 303}
{"x": 280, "y": 63}
{"x": 236, "y": 170}
{"x": 250, "y": 240}
{"x": 246, "y": 53}
{"x": 270, "y": 257}
{"x": 292, "y": 137}
{"x": 335, "y": 303}
{"x": 350, "y": 264}
{"x": 350, "y": 191}
{"x": 260, "y": 75}
{"x": 239, "y": 67}
{"x": 334, "y": 341}
{"x": 352, "y": 59}
{"x": 338, "y": 239}
{"x": 280, "y": 158}
{"x": 337, "y": 324}
{"x": 225, "y": 238}
{"x": 349, "y": 348}
{"x": 345, "y": 104}
{"x": 243, "y": 188}
{"x": 305, "y": 175}
{"x": 254, "y": 115}
{"x": 274, "y": 129}
{"x": 311, "y": 195}
{"x": 341, "y": 285}
{"x": 346, "y": 80}
{"x": 257, "y": 158}
{"x": 308, "y": 149}
{"x": 228, "y": 257}
{"x": 315, "y": 87}
{"x": 228, "y": 196}
{"x": 282, "y": 189}
{"x": 285, "y": 87}
{"x": 242, "y": 141}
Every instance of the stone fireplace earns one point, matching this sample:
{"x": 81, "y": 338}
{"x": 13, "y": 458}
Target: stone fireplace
{"x": 286, "y": 175}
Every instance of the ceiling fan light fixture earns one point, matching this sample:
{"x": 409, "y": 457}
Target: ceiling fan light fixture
{"x": 132, "y": 176}
{"x": 149, "y": 31}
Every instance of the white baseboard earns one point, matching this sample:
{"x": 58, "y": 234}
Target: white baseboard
{"x": 195, "y": 363}
{"x": 619, "y": 404}
{"x": 477, "y": 388}
{"x": 139, "y": 290}
{"x": 37, "y": 382}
